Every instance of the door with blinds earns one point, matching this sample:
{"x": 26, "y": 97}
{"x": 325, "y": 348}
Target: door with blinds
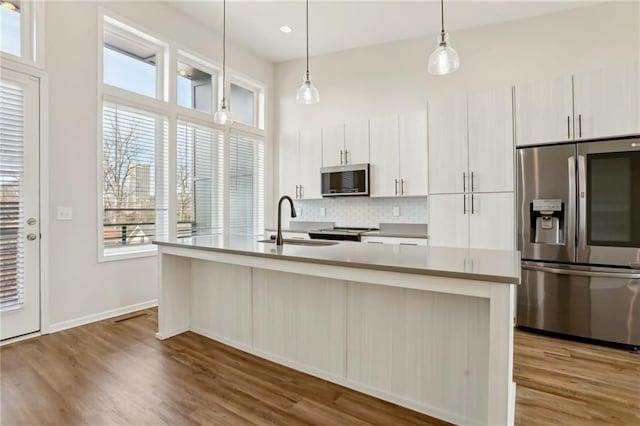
{"x": 19, "y": 204}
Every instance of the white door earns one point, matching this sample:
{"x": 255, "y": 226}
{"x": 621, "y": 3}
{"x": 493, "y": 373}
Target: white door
{"x": 310, "y": 163}
{"x": 448, "y": 161}
{"x": 356, "y": 142}
{"x": 491, "y": 148}
{"x": 384, "y": 177}
{"x": 19, "y": 206}
{"x": 606, "y": 102}
{"x": 289, "y": 164}
{"x": 491, "y": 221}
{"x": 413, "y": 153}
{"x": 544, "y": 111}
{"x": 333, "y": 145}
{"x": 448, "y": 220}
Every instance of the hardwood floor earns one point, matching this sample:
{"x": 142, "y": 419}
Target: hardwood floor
{"x": 115, "y": 372}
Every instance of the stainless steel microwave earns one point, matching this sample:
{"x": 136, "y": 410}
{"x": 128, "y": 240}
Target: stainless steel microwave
{"x": 352, "y": 179}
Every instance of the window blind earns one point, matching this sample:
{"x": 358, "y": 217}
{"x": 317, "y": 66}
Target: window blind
{"x": 246, "y": 184}
{"x": 11, "y": 190}
{"x": 199, "y": 168}
{"x": 135, "y": 164}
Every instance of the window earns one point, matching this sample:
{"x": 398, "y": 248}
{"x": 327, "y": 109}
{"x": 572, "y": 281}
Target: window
{"x": 246, "y": 184}
{"x": 199, "y": 167}
{"x": 130, "y": 62}
{"x": 10, "y": 28}
{"x": 194, "y": 88}
{"x": 243, "y": 105}
{"x": 135, "y": 178}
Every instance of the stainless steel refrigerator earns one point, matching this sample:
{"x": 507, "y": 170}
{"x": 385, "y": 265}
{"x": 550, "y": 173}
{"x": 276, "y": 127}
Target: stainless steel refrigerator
{"x": 579, "y": 235}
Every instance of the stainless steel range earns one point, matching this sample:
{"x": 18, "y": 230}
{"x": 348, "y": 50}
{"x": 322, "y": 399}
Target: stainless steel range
{"x": 340, "y": 233}
{"x": 579, "y": 234}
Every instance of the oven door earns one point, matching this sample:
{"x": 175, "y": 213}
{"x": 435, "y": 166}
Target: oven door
{"x": 609, "y": 202}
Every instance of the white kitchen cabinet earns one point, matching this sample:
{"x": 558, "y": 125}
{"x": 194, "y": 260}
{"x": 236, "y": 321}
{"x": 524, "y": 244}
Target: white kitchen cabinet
{"x": 448, "y": 153}
{"x": 491, "y": 149}
{"x": 403, "y": 241}
{"x": 333, "y": 145}
{"x": 412, "y": 129}
{"x": 289, "y": 164}
{"x": 300, "y": 162}
{"x": 606, "y": 102}
{"x": 310, "y": 163}
{"x": 448, "y": 220}
{"x": 544, "y": 111}
{"x": 345, "y": 143}
{"x": 491, "y": 221}
{"x": 472, "y": 221}
{"x": 384, "y": 171}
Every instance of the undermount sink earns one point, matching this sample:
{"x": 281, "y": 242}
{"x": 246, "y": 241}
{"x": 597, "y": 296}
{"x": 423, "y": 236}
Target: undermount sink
{"x": 288, "y": 241}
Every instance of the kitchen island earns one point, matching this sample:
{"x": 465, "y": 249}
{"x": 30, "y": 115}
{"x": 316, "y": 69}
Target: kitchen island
{"x": 428, "y": 328}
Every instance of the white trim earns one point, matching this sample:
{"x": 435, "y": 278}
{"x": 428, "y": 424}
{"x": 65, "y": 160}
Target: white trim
{"x": 20, "y": 338}
{"x": 65, "y": 325}
{"x": 31, "y": 36}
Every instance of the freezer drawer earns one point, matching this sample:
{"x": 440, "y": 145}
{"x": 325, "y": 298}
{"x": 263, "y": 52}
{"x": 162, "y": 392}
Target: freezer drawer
{"x": 596, "y": 303}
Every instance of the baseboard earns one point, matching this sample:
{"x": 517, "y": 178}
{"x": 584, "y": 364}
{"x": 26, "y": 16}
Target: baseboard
{"x": 64, "y": 325}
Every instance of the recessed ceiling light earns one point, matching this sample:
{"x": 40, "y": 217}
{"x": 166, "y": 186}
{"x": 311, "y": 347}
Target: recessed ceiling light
{"x": 183, "y": 73}
{"x": 9, "y": 5}
{"x": 285, "y": 29}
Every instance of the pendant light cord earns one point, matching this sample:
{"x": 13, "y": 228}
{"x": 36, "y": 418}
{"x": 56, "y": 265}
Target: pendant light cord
{"x": 224, "y": 49}
{"x": 307, "y": 8}
{"x": 442, "y": 14}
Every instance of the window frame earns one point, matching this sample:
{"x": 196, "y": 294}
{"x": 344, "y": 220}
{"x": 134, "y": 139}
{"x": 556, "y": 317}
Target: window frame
{"x": 167, "y": 106}
{"x": 32, "y": 35}
{"x": 258, "y": 101}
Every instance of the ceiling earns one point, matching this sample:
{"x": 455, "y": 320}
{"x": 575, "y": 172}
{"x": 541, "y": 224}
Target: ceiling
{"x": 340, "y": 25}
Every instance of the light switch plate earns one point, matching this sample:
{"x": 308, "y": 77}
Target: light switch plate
{"x": 323, "y": 211}
{"x": 396, "y": 211}
{"x": 64, "y": 213}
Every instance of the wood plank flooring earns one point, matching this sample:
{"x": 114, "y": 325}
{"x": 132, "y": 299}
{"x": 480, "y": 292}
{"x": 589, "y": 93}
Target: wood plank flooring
{"x": 117, "y": 373}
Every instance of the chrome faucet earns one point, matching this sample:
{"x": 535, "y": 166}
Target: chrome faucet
{"x": 279, "y": 240}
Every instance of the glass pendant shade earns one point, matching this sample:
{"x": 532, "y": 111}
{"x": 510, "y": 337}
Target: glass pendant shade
{"x": 223, "y": 115}
{"x": 443, "y": 60}
{"x": 307, "y": 93}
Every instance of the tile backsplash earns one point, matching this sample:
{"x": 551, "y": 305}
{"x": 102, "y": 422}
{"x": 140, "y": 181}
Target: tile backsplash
{"x": 363, "y": 211}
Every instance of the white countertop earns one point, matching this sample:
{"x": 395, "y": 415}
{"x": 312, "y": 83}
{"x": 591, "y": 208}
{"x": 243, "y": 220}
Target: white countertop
{"x": 475, "y": 264}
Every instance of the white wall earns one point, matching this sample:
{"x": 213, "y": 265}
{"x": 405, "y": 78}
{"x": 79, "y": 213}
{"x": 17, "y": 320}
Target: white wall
{"x": 79, "y": 286}
{"x": 392, "y": 77}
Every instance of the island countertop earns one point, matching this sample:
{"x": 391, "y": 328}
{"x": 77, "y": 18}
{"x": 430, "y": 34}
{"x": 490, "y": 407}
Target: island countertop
{"x": 475, "y": 264}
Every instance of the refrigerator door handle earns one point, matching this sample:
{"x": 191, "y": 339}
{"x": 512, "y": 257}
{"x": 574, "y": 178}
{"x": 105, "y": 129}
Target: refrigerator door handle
{"x": 582, "y": 205}
{"x": 582, "y": 273}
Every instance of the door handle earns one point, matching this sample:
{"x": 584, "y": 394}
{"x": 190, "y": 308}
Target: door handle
{"x": 473, "y": 187}
{"x": 396, "y": 186}
{"x": 464, "y": 182}
{"x": 346, "y": 156}
{"x": 341, "y": 157}
{"x": 402, "y": 186}
{"x": 464, "y": 203}
{"x": 296, "y": 191}
{"x": 472, "y": 205}
{"x": 580, "y": 125}
{"x": 581, "y": 273}
{"x": 32, "y": 237}
{"x": 301, "y": 191}
{"x": 568, "y": 127}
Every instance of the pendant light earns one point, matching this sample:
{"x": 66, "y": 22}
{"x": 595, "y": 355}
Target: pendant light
{"x": 223, "y": 115}
{"x": 443, "y": 60}
{"x": 307, "y": 93}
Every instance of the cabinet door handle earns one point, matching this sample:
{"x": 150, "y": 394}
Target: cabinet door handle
{"x": 402, "y": 186}
{"x": 464, "y": 203}
{"x": 580, "y": 125}
{"x": 473, "y": 187}
{"x": 297, "y": 189}
{"x": 341, "y": 157}
{"x": 396, "y": 186}
{"x": 301, "y": 191}
{"x": 464, "y": 182}
{"x": 346, "y": 156}
{"x": 568, "y": 127}
{"x": 473, "y": 211}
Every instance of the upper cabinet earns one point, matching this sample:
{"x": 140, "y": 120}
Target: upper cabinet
{"x": 471, "y": 143}
{"x": 594, "y": 104}
{"x": 490, "y": 123}
{"x": 606, "y": 102}
{"x": 448, "y": 154}
{"x": 398, "y": 152}
{"x": 345, "y": 143}
{"x": 300, "y": 162}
